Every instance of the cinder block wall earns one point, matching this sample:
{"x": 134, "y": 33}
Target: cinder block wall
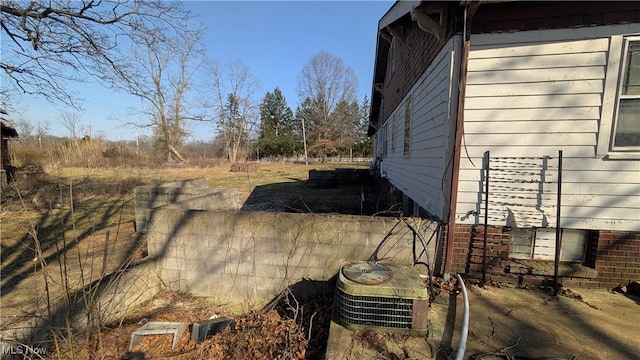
{"x": 190, "y": 194}
{"x": 245, "y": 259}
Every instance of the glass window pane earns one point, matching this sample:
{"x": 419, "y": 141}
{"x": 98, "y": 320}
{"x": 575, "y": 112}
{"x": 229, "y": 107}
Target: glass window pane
{"x": 632, "y": 71}
{"x": 521, "y": 244}
{"x": 407, "y": 126}
{"x": 628, "y": 123}
{"x": 574, "y": 244}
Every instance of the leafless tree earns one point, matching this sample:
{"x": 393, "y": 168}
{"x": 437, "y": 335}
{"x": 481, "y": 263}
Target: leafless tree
{"x": 235, "y": 103}
{"x": 326, "y": 88}
{"x": 49, "y": 43}
{"x": 28, "y": 132}
{"x": 71, "y": 121}
{"x": 164, "y": 73}
{"x": 24, "y": 128}
{"x": 41, "y": 131}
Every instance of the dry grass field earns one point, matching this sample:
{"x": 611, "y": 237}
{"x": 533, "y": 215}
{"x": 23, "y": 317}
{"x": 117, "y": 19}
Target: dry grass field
{"x": 64, "y": 228}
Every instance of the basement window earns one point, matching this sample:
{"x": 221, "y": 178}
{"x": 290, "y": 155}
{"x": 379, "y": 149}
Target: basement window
{"x": 540, "y": 244}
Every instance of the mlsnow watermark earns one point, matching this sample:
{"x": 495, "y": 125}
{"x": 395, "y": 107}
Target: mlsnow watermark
{"x": 23, "y": 350}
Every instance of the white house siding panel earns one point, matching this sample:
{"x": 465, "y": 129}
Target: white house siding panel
{"x": 530, "y": 94}
{"x": 420, "y": 173}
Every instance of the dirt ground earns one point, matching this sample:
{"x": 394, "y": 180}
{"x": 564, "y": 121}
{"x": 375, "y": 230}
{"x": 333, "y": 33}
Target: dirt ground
{"x": 511, "y": 323}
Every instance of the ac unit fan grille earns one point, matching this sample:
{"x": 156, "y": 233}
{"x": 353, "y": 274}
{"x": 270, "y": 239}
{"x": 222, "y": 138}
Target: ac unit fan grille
{"x": 375, "y": 311}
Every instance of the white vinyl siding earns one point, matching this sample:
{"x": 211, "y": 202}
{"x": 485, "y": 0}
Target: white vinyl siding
{"x": 419, "y": 173}
{"x": 530, "y": 94}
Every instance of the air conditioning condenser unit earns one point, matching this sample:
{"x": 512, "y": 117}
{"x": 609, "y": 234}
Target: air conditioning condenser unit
{"x": 381, "y": 296}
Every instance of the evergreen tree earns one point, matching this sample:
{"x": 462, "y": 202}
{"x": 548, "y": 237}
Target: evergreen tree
{"x": 345, "y": 124}
{"x": 276, "y": 126}
{"x": 364, "y": 144}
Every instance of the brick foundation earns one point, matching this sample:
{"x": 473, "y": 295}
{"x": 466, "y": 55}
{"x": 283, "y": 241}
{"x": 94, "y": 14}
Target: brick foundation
{"x": 612, "y": 259}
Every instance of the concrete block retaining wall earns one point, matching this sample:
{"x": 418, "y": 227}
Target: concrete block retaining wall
{"x": 337, "y": 177}
{"x": 188, "y": 194}
{"x": 244, "y": 259}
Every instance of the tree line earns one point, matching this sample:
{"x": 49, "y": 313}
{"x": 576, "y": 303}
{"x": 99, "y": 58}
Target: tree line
{"x": 152, "y": 51}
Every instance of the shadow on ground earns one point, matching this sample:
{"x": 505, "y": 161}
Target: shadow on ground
{"x": 301, "y": 196}
{"x": 511, "y": 323}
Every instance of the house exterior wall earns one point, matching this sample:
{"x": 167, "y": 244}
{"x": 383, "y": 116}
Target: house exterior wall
{"x": 413, "y": 54}
{"x": 421, "y": 173}
{"x": 530, "y": 94}
{"x": 4, "y": 153}
{"x": 542, "y": 77}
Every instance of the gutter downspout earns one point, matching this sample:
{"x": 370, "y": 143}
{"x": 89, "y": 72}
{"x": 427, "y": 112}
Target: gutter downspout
{"x": 455, "y": 174}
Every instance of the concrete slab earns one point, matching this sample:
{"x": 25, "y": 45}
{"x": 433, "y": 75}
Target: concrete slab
{"x": 207, "y": 328}
{"x": 347, "y": 344}
{"x": 158, "y": 328}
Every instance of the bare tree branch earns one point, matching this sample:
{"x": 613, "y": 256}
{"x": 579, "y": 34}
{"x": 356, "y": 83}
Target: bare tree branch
{"x": 235, "y": 103}
{"x": 163, "y": 77}
{"x": 71, "y": 121}
{"x": 56, "y": 42}
{"x": 327, "y": 91}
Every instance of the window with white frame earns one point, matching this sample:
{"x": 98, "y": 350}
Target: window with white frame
{"x": 394, "y": 124}
{"x": 626, "y": 127}
{"x": 385, "y": 141}
{"x": 407, "y": 126}
{"x": 391, "y": 59}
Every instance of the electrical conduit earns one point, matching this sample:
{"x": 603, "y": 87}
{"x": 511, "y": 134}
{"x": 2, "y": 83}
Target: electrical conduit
{"x": 462, "y": 346}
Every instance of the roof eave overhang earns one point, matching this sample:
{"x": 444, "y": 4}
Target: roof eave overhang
{"x": 395, "y": 13}
{"x": 7, "y": 129}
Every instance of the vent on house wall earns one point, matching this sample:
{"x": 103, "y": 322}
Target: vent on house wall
{"x": 381, "y": 296}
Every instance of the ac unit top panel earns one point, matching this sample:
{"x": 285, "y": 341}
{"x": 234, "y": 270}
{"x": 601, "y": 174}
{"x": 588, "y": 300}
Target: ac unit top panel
{"x": 383, "y": 279}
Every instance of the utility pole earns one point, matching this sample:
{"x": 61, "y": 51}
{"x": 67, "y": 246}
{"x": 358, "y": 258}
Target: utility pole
{"x": 304, "y": 140}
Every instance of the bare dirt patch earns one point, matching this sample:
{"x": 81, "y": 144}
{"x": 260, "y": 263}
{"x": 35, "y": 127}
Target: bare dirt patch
{"x": 510, "y": 323}
{"x": 587, "y": 324}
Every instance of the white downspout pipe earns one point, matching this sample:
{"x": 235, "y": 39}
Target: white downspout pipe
{"x": 462, "y": 346}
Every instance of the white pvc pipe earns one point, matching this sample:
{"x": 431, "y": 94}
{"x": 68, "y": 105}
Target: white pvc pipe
{"x": 462, "y": 346}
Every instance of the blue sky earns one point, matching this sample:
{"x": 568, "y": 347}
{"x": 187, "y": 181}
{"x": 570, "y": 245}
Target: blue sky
{"x": 273, "y": 38}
